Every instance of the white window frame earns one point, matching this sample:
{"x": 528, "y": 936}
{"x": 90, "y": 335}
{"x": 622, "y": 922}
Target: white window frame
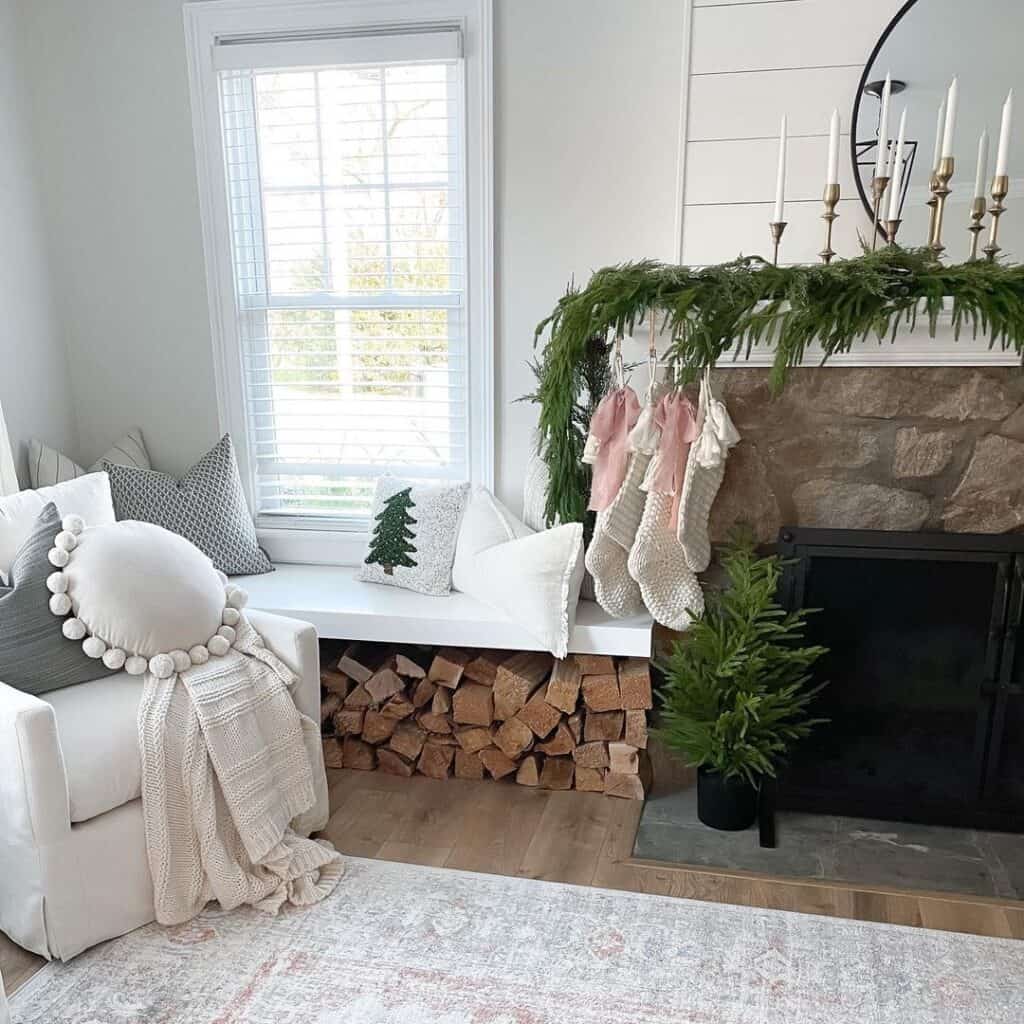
{"x": 208, "y": 20}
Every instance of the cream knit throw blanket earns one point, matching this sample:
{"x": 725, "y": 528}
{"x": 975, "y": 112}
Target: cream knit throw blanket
{"x": 226, "y": 780}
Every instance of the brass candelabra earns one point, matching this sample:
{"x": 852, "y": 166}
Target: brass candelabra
{"x": 891, "y": 227}
{"x": 1000, "y": 188}
{"x": 933, "y": 204}
{"x": 940, "y": 191}
{"x": 879, "y": 184}
{"x": 830, "y": 198}
{"x": 777, "y": 227}
{"x": 976, "y": 228}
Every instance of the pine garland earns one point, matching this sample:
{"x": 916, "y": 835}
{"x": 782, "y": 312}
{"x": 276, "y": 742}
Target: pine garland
{"x": 722, "y": 312}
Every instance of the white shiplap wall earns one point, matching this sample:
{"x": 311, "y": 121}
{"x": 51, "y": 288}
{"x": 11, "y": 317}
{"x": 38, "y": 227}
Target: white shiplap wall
{"x": 751, "y": 61}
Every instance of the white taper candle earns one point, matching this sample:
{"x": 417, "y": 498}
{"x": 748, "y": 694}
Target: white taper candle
{"x": 780, "y": 181}
{"x": 1003, "y": 153}
{"x": 897, "y": 170}
{"x": 980, "y": 178}
{"x": 949, "y": 129}
{"x": 882, "y": 160}
{"x": 832, "y": 175}
{"x": 940, "y": 127}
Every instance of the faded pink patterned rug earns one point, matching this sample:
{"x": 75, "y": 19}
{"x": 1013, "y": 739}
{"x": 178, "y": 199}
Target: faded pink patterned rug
{"x": 400, "y": 944}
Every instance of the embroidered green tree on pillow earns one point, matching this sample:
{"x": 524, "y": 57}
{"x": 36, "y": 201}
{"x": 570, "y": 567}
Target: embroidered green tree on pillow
{"x": 390, "y": 545}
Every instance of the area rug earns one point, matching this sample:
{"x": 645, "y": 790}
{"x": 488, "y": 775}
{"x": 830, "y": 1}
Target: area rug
{"x": 401, "y": 944}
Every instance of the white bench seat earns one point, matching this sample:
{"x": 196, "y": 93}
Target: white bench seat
{"x": 342, "y": 607}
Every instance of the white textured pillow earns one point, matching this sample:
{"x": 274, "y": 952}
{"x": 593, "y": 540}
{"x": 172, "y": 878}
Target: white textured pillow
{"x": 534, "y": 578}
{"x": 140, "y": 597}
{"x": 88, "y": 496}
{"x": 47, "y": 466}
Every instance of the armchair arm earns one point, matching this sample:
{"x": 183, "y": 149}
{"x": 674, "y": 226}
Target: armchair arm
{"x": 295, "y": 643}
{"x": 34, "y": 805}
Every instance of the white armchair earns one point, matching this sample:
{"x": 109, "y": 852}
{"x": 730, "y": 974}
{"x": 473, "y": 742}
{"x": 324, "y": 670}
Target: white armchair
{"x": 73, "y": 865}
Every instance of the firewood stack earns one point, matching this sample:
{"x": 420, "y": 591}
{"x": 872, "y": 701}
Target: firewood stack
{"x": 579, "y": 723}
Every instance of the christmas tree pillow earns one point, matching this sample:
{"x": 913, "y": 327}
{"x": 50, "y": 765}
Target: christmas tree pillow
{"x": 413, "y": 530}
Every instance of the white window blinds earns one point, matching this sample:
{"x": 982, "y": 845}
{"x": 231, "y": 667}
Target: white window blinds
{"x": 346, "y": 199}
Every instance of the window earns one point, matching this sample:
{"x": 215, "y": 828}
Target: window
{"x": 353, "y": 222}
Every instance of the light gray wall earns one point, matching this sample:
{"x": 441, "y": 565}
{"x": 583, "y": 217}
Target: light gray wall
{"x": 34, "y": 385}
{"x": 587, "y": 129}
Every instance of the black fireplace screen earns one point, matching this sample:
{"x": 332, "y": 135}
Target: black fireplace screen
{"x": 924, "y": 691}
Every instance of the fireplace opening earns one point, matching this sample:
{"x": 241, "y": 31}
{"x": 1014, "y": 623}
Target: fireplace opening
{"x": 924, "y": 695}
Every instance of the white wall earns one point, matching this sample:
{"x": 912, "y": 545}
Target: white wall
{"x": 34, "y": 385}
{"x": 114, "y": 145}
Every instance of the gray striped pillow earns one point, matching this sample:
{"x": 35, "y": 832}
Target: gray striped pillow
{"x": 34, "y": 656}
{"x": 47, "y": 466}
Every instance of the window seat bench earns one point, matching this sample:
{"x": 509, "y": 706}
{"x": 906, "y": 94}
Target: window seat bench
{"x": 342, "y": 607}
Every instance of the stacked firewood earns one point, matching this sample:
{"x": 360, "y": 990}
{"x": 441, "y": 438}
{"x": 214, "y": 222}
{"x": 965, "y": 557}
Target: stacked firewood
{"x": 576, "y": 723}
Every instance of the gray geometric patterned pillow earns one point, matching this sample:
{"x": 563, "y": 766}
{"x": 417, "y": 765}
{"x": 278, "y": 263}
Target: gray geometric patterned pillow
{"x": 206, "y": 506}
{"x": 34, "y": 655}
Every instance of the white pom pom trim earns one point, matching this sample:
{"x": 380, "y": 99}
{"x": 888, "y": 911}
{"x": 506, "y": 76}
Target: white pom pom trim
{"x": 162, "y": 665}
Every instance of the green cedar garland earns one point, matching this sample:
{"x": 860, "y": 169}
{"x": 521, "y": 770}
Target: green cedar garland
{"x": 390, "y": 545}
{"x": 721, "y": 312}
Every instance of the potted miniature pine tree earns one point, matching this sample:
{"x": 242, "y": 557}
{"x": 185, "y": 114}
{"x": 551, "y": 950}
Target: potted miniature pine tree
{"x": 389, "y": 546}
{"x": 737, "y": 687}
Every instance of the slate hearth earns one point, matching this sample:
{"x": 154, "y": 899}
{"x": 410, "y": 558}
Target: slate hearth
{"x": 832, "y": 848}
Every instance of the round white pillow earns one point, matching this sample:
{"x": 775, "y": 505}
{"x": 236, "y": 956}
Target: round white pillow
{"x": 139, "y": 596}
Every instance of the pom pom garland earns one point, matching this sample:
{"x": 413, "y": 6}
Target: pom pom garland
{"x": 163, "y": 665}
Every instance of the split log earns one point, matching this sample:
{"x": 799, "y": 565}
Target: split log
{"x": 623, "y": 759}
{"x": 513, "y": 738}
{"x": 474, "y": 739}
{"x": 528, "y": 773}
{"x": 473, "y": 704}
{"x": 394, "y": 764}
{"x": 335, "y": 682}
{"x": 484, "y": 666}
{"x": 560, "y": 744}
{"x": 448, "y": 665}
{"x": 589, "y": 780}
{"x": 434, "y": 723}
{"x": 539, "y": 715}
{"x": 595, "y": 664}
{"x": 358, "y": 698}
{"x": 405, "y": 666}
{"x": 328, "y": 706}
{"x": 333, "y": 753}
{"x": 468, "y": 765}
{"x": 516, "y": 681}
{"x": 603, "y": 725}
{"x": 636, "y": 729}
{"x": 349, "y": 721}
{"x": 627, "y": 786}
{"x": 496, "y": 763}
{"x": 591, "y": 755}
{"x": 635, "y": 684}
{"x": 436, "y": 761}
{"x": 398, "y": 707}
{"x": 441, "y": 703}
{"x": 384, "y": 683}
{"x": 557, "y": 773}
{"x": 377, "y": 727}
{"x": 424, "y": 693}
{"x": 575, "y": 724}
{"x": 358, "y": 754}
{"x": 445, "y": 739}
{"x": 601, "y": 693}
{"x": 564, "y": 686}
{"x": 408, "y": 739}
{"x": 359, "y": 661}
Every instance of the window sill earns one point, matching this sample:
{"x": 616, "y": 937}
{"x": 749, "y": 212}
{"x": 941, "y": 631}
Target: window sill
{"x": 313, "y": 547}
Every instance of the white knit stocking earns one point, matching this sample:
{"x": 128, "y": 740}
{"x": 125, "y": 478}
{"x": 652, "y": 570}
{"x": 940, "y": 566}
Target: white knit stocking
{"x": 668, "y": 586}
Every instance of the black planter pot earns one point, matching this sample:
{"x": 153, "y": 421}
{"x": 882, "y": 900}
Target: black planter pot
{"x": 726, "y": 804}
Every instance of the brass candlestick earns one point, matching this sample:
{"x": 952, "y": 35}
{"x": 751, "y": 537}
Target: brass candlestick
{"x": 941, "y": 190}
{"x": 830, "y": 198}
{"x": 1000, "y": 188}
{"x": 933, "y": 203}
{"x": 776, "y": 227}
{"x": 891, "y": 227}
{"x": 977, "y": 212}
{"x": 878, "y": 186}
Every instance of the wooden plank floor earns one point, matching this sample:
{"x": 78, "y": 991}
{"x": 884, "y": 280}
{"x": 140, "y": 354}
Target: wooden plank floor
{"x": 583, "y": 839}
